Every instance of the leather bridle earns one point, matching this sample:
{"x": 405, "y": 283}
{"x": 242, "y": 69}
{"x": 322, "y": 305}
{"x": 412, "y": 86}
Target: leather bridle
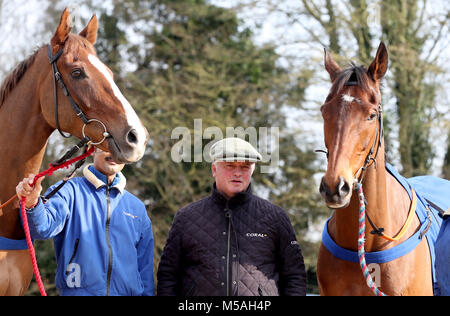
{"x": 57, "y": 77}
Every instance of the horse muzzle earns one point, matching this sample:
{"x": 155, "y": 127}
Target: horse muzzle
{"x": 130, "y": 147}
{"x": 338, "y": 195}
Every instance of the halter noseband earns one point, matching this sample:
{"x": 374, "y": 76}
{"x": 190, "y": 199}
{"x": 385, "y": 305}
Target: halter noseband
{"x": 58, "y": 78}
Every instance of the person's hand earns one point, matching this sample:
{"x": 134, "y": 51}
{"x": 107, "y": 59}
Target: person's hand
{"x": 24, "y": 189}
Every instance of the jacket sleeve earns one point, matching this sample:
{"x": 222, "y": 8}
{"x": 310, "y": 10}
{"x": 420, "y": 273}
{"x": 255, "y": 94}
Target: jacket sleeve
{"x": 290, "y": 260}
{"x": 48, "y": 220}
{"x": 169, "y": 270}
{"x": 145, "y": 251}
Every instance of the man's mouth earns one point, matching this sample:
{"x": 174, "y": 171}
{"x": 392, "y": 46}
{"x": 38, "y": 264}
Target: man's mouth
{"x": 236, "y": 181}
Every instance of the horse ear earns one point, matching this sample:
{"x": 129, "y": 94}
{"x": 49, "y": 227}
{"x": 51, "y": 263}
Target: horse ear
{"x": 90, "y": 31}
{"x": 331, "y": 66}
{"x": 63, "y": 30}
{"x": 379, "y": 65}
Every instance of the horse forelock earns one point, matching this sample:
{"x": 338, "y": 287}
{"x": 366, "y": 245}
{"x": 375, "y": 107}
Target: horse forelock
{"x": 13, "y": 78}
{"x": 354, "y": 74}
{"x": 76, "y": 43}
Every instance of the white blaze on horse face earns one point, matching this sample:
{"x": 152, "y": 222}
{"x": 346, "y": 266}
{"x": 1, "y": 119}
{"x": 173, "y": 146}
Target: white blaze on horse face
{"x": 132, "y": 118}
{"x": 349, "y": 99}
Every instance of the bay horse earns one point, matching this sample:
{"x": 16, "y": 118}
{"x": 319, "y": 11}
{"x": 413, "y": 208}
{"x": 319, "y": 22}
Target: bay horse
{"x": 353, "y": 134}
{"x": 32, "y": 106}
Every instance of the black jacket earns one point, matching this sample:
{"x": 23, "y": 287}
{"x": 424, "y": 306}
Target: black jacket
{"x": 239, "y": 246}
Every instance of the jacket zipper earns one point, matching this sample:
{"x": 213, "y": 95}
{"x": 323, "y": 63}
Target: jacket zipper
{"x": 110, "y": 258}
{"x": 75, "y": 248}
{"x": 227, "y": 215}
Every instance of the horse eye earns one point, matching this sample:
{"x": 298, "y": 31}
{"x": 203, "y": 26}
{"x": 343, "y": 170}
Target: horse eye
{"x": 372, "y": 116}
{"x": 77, "y": 73}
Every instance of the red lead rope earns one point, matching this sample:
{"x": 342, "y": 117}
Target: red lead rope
{"x": 31, "y": 248}
{"x": 26, "y": 228}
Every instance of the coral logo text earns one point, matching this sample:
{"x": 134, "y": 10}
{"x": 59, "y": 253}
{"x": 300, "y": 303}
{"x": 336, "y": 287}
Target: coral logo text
{"x": 259, "y": 235}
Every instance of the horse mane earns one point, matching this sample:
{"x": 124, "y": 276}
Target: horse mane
{"x": 354, "y": 74}
{"x": 13, "y": 78}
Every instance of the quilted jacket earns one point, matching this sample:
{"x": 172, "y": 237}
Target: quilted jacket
{"x": 239, "y": 246}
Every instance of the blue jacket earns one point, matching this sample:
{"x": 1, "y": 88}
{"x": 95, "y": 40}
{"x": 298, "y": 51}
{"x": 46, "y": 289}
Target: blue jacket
{"x": 443, "y": 258}
{"x": 102, "y": 236}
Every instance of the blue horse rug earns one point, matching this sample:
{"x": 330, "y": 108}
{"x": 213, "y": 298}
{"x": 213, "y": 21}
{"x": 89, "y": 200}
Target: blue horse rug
{"x": 12, "y": 244}
{"x": 433, "y": 195}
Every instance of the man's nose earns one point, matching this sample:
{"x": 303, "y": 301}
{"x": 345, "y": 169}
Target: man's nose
{"x": 237, "y": 171}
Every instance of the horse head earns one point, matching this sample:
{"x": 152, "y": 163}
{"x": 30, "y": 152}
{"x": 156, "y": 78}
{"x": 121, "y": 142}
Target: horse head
{"x": 352, "y": 125}
{"x": 106, "y": 116}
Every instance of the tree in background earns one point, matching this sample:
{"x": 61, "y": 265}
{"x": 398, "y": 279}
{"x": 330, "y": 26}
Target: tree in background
{"x": 446, "y": 165}
{"x": 412, "y": 68}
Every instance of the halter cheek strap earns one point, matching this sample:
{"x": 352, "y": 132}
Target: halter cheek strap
{"x": 58, "y": 78}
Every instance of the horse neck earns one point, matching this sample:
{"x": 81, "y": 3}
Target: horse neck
{"x": 387, "y": 206}
{"x": 22, "y": 141}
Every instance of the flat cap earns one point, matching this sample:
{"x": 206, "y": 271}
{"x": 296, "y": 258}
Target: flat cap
{"x": 234, "y": 149}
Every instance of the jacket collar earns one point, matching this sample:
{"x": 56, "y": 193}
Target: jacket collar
{"x": 238, "y": 199}
{"x": 98, "y": 179}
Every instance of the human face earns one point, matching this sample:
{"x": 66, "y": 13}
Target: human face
{"x": 104, "y": 163}
{"x": 232, "y": 177}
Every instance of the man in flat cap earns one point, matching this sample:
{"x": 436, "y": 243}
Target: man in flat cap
{"x": 232, "y": 243}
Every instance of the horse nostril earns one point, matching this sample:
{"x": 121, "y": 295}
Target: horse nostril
{"x": 132, "y": 137}
{"x": 324, "y": 189}
{"x": 344, "y": 187}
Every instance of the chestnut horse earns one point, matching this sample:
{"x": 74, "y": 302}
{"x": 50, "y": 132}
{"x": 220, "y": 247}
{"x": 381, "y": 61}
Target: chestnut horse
{"x": 27, "y": 118}
{"x": 354, "y": 139}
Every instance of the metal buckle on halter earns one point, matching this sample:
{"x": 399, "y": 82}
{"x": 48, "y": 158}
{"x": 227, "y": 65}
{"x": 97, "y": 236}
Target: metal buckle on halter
{"x": 105, "y": 133}
{"x": 57, "y": 76}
